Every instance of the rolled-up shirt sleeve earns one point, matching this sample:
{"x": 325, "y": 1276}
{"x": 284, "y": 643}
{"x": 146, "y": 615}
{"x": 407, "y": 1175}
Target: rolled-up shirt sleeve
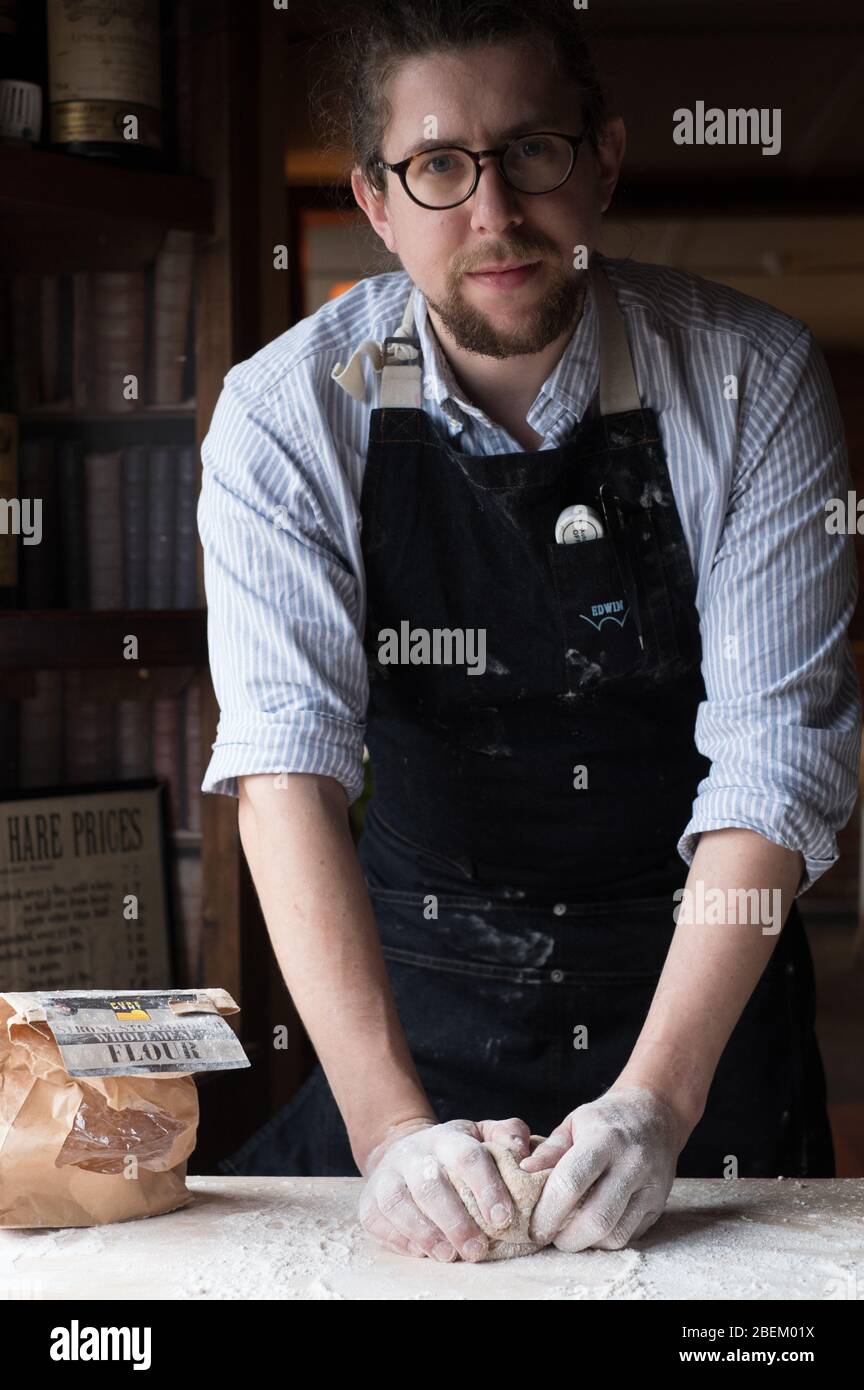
{"x": 284, "y": 601}
{"x": 781, "y": 723}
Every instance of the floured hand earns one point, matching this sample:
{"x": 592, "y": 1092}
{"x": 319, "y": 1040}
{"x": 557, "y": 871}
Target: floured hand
{"x": 410, "y": 1204}
{"x": 624, "y": 1146}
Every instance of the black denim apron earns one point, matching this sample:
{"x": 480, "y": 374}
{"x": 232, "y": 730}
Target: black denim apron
{"x": 525, "y": 907}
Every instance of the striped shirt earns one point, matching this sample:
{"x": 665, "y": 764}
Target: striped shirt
{"x": 755, "y": 451}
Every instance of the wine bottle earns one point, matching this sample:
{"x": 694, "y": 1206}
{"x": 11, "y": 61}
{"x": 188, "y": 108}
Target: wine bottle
{"x": 105, "y": 79}
{"x": 23, "y": 63}
{"x": 8, "y": 459}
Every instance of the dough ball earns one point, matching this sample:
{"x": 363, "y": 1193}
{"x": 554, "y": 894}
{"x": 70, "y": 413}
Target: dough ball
{"x": 524, "y": 1188}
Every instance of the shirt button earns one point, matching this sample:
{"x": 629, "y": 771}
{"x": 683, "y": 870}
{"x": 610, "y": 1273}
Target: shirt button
{"x": 559, "y": 909}
{"x": 790, "y": 968}
{"x": 556, "y": 976}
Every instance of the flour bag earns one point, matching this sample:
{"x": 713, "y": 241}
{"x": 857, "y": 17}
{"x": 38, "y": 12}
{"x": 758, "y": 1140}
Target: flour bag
{"x": 98, "y": 1103}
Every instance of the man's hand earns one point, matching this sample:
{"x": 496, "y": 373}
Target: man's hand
{"x": 624, "y": 1146}
{"x": 408, "y": 1202}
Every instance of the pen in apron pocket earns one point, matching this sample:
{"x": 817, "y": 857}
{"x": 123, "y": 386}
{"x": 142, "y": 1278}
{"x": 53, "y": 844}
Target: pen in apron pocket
{"x": 611, "y": 507}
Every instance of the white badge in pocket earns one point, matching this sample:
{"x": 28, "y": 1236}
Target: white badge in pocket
{"x": 578, "y": 523}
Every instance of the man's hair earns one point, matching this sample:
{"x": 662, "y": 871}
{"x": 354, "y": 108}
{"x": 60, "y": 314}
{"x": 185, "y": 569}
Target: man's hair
{"x": 376, "y": 36}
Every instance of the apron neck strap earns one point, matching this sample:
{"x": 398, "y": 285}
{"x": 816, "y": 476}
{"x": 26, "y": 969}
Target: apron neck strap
{"x": 401, "y": 365}
{"x": 618, "y": 389}
{"x": 398, "y": 359}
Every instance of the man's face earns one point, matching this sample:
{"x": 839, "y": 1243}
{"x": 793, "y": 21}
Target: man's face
{"x": 480, "y": 98}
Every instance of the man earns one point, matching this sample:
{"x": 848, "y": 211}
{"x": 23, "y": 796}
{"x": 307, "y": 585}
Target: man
{"x": 562, "y": 561}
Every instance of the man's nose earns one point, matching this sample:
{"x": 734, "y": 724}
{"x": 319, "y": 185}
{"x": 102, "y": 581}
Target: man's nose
{"x": 495, "y": 203}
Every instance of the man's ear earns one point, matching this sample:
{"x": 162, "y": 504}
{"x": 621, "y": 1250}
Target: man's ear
{"x": 374, "y": 204}
{"x": 611, "y": 145}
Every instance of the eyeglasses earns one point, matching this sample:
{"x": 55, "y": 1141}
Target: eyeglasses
{"x": 448, "y": 175}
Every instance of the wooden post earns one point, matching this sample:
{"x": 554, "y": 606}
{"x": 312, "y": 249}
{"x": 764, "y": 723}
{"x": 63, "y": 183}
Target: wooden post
{"x": 235, "y": 947}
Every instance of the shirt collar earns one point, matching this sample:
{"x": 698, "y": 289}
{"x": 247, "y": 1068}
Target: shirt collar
{"x": 571, "y": 385}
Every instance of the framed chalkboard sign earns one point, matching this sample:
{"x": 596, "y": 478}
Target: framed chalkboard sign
{"x": 85, "y": 901}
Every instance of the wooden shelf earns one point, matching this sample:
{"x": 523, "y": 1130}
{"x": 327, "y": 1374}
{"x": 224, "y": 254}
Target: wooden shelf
{"x": 735, "y": 195}
{"x": 61, "y": 213}
{"x": 59, "y": 639}
{"x": 187, "y": 839}
{"x": 144, "y": 415}
{"x": 156, "y": 426}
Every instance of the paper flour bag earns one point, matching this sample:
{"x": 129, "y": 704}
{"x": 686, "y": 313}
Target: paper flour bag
{"x": 98, "y": 1105}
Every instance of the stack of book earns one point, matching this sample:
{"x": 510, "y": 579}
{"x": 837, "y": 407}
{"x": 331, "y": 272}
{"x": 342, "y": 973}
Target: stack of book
{"x": 118, "y": 529}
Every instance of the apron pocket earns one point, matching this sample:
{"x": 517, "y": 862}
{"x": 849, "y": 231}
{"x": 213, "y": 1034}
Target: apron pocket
{"x": 600, "y": 626}
{"x": 646, "y": 555}
{"x": 401, "y": 860}
{"x": 461, "y": 932}
{"x": 606, "y": 942}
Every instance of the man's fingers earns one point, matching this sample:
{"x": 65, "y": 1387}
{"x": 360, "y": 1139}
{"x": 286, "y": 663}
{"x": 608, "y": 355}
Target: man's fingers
{"x": 396, "y": 1204}
{"x": 547, "y": 1154}
{"x": 646, "y": 1206}
{"x": 513, "y": 1134}
{"x": 566, "y": 1187}
{"x": 463, "y": 1127}
{"x": 381, "y": 1229}
{"x": 600, "y": 1211}
{"x": 641, "y": 1205}
{"x": 401, "y": 1246}
{"x": 653, "y": 1214}
{"x": 475, "y": 1168}
{"x": 434, "y": 1195}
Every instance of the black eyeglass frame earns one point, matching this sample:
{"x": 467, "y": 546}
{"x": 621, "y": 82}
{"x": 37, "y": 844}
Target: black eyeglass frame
{"x": 401, "y": 168}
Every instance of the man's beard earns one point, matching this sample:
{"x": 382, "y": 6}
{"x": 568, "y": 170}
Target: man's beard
{"x": 471, "y": 330}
